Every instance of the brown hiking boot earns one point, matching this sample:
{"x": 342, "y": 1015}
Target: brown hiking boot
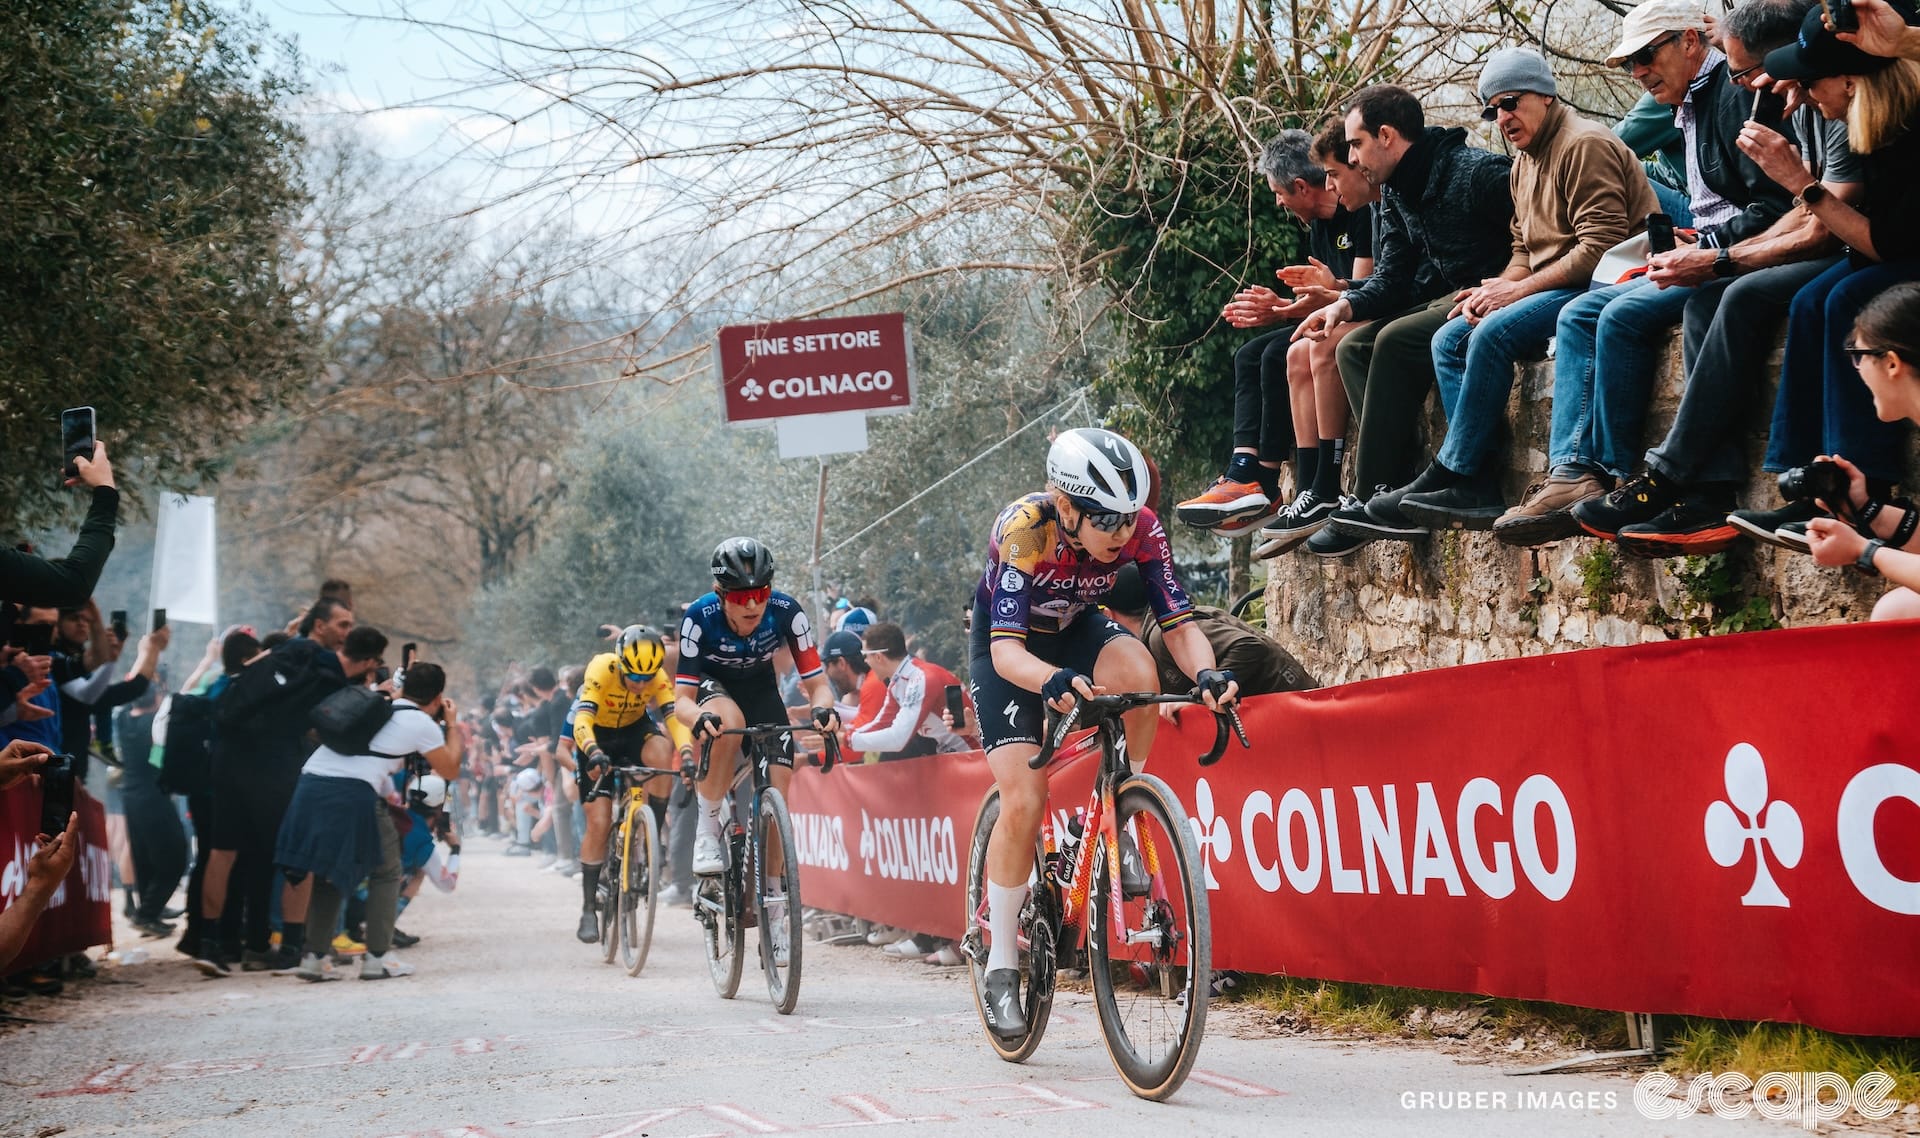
{"x": 1545, "y": 514}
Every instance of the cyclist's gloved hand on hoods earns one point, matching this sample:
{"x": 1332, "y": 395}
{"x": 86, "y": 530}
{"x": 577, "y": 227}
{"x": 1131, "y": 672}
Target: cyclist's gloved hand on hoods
{"x": 1062, "y": 683}
{"x": 1216, "y": 686}
{"x": 597, "y": 761}
{"x": 826, "y": 719}
{"x": 707, "y": 726}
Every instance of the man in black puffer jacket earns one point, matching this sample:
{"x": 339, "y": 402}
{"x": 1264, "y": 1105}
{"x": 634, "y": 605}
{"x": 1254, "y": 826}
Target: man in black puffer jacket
{"x": 1445, "y": 224}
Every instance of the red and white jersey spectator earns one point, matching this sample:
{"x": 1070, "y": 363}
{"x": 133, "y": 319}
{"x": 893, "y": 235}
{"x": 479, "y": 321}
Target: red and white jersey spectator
{"x": 909, "y": 724}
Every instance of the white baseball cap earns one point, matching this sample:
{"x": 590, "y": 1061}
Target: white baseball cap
{"x": 1654, "y": 19}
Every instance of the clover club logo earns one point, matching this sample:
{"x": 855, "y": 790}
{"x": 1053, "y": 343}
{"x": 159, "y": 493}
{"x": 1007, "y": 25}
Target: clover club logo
{"x": 1210, "y": 832}
{"x": 751, "y": 390}
{"x": 1747, "y": 816}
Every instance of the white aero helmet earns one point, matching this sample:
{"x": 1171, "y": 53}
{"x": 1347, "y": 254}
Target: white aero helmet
{"x": 1099, "y": 470}
{"x": 432, "y": 790}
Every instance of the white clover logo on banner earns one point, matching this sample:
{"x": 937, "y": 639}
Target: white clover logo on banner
{"x": 1747, "y": 816}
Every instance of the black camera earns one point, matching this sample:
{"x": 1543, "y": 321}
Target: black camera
{"x": 1822, "y": 480}
{"x": 56, "y": 794}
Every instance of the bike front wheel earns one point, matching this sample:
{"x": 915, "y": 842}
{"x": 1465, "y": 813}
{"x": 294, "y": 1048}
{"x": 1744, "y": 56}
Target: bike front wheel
{"x": 777, "y": 901}
{"x": 718, "y": 904}
{"x": 639, "y": 886}
{"x": 609, "y": 895}
{"x": 1039, "y": 926}
{"x": 1149, "y": 948}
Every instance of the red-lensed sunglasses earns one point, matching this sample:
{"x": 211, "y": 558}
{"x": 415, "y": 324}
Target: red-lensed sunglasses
{"x": 757, "y": 596}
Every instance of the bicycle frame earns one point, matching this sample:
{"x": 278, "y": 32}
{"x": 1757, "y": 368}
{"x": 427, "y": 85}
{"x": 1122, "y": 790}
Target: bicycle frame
{"x": 629, "y": 794}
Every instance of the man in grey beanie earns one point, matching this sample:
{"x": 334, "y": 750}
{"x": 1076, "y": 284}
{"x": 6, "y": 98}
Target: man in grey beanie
{"x": 1577, "y": 192}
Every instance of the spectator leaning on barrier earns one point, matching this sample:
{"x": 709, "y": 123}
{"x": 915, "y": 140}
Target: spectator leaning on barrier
{"x": 1444, "y": 224}
{"x": 859, "y": 693}
{"x": 909, "y": 724}
{"x": 340, "y": 826}
{"x": 1237, "y": 646}
{"x": 1577, "y": 192}
{"x": 1886, "y": 349}
{"x": 1609, "y": 343}
{"x": 1737, "y": 293}
{"x": 1271, "y": 412}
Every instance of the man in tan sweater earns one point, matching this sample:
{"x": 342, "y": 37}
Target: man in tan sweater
{"x": 1577, "y": 192}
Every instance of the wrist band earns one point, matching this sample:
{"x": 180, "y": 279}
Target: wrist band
{"x": 1904, "y": 531}
{"x": 1863, "y": 517}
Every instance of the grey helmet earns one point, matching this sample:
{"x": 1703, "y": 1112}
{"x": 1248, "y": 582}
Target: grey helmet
{"x": 742, "y": 563}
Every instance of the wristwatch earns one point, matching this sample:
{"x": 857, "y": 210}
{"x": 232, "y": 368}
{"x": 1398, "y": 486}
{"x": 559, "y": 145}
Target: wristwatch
{"x": 1865, "y": 560}
{"x": 1723, "y": 266}
{"x": 1813, "y": 195}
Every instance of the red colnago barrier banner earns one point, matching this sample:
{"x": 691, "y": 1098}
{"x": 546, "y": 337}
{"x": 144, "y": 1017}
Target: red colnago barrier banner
{"x": 1720, "y": 827}
{"x": 81, "y": 912}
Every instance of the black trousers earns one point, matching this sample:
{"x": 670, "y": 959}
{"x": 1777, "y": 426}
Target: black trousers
{"x": 1262, "y": 404}
{"x": 155, "y": 837}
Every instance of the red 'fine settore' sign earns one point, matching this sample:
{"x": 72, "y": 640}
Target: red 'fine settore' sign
{"x": 815, "y": 367}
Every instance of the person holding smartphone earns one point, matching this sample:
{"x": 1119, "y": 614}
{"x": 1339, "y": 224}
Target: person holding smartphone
{"x": 909, "y": 723}
{"x": 26, "y": 578}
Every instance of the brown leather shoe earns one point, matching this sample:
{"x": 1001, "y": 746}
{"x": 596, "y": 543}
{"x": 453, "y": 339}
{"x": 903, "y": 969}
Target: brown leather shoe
{"x": 1545, "y": 513}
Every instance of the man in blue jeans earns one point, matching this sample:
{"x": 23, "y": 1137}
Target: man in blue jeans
{"x": 1608, "y": 343}
{"x": 1577, "y": 192}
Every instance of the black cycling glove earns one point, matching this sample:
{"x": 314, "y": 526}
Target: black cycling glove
{"x": 1213, "y": 681}
{"x": 824, "y": 717}
{"x": 707, "y": 726}
{"x": 1059, "y": 684}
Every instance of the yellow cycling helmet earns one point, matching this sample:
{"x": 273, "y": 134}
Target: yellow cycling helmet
{"x": 639, "y": 651}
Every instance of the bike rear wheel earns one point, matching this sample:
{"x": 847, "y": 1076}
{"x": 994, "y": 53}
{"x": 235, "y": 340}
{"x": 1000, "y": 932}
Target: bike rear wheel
{"x": 777, "y": 900}
{"x": 1039, "y": 923}
{"x": 609, "y": 895}
{"x": 1151, "y": 969}
{"x": 719, "y": 905}
{"x": 639, "y": 886}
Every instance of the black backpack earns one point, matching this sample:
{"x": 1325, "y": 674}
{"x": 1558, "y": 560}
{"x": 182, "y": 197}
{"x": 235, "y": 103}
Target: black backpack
{"x": 348, "y": 720}
{"x": 277, "y": 691}
{"x": 186, "y": 762}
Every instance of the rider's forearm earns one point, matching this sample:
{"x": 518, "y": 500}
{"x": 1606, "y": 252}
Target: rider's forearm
{"x": 1014, "y": 664}
{"x": 1190, "y": 648}
{"x": 819, "y": 693}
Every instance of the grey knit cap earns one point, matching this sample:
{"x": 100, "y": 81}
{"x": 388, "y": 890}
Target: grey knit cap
{"x": 1516, "y": 69}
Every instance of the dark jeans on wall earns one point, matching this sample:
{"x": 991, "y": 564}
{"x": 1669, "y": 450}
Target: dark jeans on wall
{"x": 1387, "y": 368}
{"x": 1727, "y": 333}
{"x": 1262, "y": 407}
{"x": 1823, "y": 407}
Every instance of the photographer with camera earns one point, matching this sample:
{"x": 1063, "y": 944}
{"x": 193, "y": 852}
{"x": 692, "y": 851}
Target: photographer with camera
{"x": 340, "y": 826}
{"x": 1874, "y": 535}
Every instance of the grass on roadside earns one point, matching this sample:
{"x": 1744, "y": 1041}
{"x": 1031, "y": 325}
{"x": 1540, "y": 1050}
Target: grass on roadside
{"x": 1693, "y": 1045}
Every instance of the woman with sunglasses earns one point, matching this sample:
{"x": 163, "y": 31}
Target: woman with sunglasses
{"x": 1037, "y": 635}
{"x": 726, "y": 678}
{"x": 1879, "y": 536}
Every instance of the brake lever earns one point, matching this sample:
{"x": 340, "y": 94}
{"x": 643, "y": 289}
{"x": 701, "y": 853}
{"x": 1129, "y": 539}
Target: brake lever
{"x": 706, "y": 757}
{"x": 1233, "y": 716}
{"x": 1061, "y": 730}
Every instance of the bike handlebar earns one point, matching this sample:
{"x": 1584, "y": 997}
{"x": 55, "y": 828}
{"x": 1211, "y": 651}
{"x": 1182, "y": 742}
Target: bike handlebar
{"x": 634, "y": 770}
{"x": 767, "y": 731}
{"x": 1093, "y": 709}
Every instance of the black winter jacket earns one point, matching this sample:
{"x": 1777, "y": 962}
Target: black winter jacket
{"x": 1444, "y": 223}
{"x": 1721, "y": 108}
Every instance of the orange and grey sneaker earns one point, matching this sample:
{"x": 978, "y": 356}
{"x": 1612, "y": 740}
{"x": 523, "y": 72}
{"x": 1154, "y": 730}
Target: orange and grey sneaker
{"x": 1693, "y": 526}
{"x": 1223, "y": 502}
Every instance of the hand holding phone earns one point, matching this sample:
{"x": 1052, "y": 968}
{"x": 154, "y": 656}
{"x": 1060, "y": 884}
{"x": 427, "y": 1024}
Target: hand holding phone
{"x": 118, "y": 622}
{"x": 76, "y": 438}
{"x": 1660, "y": 233}
{"x": 957, "y": 707}
{"x": 159, "y": 620}
{"x": 56, "y": 795}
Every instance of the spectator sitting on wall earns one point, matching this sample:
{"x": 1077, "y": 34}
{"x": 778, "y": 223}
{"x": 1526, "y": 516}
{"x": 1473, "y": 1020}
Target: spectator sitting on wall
{"x": 1886, "y": 348}
{"x": 909, "y": 724}
{"x": 1577, "y": 192}
{"x": 1256, "y": 659}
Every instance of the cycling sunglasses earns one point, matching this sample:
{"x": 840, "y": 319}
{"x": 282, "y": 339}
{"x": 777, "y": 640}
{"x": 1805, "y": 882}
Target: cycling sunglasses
{"x": 638, "y": 677}
{"x": 1644, "y": 57}
{"x": 1507, "y": 103}
{"x": 1106, "y": 521}
{"x": 757, "y": 596}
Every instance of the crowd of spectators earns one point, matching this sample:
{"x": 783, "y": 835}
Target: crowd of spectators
{"x": 1756, "y": 184}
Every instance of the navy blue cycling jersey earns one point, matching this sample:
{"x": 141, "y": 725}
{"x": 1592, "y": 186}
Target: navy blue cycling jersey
{"x": 709, "y": 648}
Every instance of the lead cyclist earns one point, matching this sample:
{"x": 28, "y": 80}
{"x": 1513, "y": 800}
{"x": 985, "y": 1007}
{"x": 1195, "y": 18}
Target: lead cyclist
{"x": 1038, "y": 636}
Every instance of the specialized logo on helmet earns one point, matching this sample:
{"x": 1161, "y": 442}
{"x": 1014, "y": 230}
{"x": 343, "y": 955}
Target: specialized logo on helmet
{"x": 751, "y": 391}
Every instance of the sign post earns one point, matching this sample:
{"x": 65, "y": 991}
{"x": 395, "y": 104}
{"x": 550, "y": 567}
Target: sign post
{"x": 815, "y": 382}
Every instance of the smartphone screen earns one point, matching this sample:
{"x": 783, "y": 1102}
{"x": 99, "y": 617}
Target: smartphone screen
{"x": 118, "y": 622}
{"x": 159, "y": 620}
{"x": 956, "y": 706}
{"x": 1660, "y": 233}
{"x": 56, "y": 795}
{"x": 76, "y": 437}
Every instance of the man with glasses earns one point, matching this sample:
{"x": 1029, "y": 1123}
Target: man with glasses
{"x": 726, "y": 677}
{"x": 1738, "y": 295}
{"x": 1577, "y": 192}
{"x": 1609, "y": 343}
{"x": 1038, "y": 635}
{"x": 613, "y": 721}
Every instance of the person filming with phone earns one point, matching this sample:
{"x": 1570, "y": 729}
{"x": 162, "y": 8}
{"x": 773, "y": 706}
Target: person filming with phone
{"x": 909, "y": 723}
{"x": 26, "y": 578}
{"x": 53, "y": 854}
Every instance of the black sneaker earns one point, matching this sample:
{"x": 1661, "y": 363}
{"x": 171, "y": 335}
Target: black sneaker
{"x": 1303, "y": 517}
{"x": 212, "y": 962}
{"x": 1690, "y": 527}
{"x": 404, "y": 940}
{"x": 1793, "y": 536}
{"x": 1762, "y": 524}
{"x": 589, "y": 930}
{"x": 1639, "y": 499}
{"x": 1005, "y": 1016}
{"x": 1381, "y": 516}
{"x": 1470, "y": 503}
{"x": 1335, "y": 540}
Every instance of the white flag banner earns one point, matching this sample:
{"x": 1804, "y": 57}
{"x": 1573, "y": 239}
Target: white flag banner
{"x": 185, "y": 572}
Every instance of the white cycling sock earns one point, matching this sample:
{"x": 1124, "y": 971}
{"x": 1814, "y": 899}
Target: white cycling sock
{"x": 1004, "y": 903}
{"x": 710, "y": 814}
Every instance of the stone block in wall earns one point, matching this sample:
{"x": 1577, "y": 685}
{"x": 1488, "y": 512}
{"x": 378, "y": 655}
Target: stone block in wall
{"x": 1461, "y": 598}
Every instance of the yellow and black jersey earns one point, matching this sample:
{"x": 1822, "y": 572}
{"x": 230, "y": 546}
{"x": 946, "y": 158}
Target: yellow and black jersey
{"x": 605, "y": 702}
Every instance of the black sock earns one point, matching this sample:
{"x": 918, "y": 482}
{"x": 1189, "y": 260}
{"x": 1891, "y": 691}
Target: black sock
{"x": 1326, "y": 479}
{"x": 1306, "y": 466}
{"x": 1243, "y": 467}
{"x": 293, "y": 934}
{"x": 589, "y": 883}
{"x": 1269, "y": 480}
